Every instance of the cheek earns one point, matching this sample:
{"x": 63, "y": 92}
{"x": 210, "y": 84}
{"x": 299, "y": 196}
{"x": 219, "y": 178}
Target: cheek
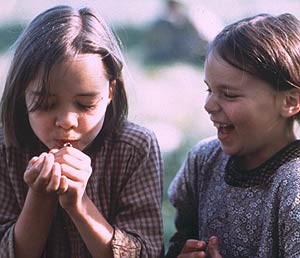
{"x": 234, "y": 111}
{"x": 96, "y": 119}
{"x": 34, "y": 120}
{"x": 39, "y": 125}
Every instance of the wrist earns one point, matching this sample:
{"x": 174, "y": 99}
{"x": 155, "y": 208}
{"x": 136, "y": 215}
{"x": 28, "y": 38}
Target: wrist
{"x": 79, "y": 208}
{"x": 43, "y": 197}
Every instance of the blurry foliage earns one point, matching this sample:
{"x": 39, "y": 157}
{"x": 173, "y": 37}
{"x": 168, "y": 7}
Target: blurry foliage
{"x": 162, "y": 44}
{"x": 8, "y": 35}
{"x": 172, "y": 163}
{"x": 130, "y": 36}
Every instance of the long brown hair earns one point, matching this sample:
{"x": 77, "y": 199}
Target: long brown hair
{"x": 53, "y": 36}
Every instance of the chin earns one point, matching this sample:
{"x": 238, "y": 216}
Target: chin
{"x": 229, "y": 151}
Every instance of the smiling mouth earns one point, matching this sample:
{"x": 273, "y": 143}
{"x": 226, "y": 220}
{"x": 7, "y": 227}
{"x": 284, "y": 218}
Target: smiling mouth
{"x": 224, "y": 126}
{"x": 224, "y": 129}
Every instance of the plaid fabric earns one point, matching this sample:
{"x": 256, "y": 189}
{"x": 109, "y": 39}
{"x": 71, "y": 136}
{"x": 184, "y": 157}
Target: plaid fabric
{"x": 126, "y": 187}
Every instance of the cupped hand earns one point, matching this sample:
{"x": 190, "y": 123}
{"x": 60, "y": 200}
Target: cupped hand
{"x": 76, "y": 168}
{"x": 43, "y": 174}
{"x": 193, "y": 249}
{"x": 197, "y": 249}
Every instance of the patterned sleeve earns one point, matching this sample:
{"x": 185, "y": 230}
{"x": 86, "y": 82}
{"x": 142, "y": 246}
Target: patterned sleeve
{"x": 138, "y": 225}
{"x": 8, "y": 211}
{"x": 289, "y": 211}
{"x": 182, "y": 195}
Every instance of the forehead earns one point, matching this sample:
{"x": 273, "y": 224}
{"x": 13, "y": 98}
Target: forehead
{"x": 78, "y": 66}
{"x": 83, "y": 70}
{"x": 218, "y": 72}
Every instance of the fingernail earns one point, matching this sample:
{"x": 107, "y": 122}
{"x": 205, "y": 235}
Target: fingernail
{"x": 213, "y": 240}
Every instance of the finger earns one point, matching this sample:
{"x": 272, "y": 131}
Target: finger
{"x": 75, "y": 153}
{"x": 44, "y": 176}
{"x": 54, "y": 182}
{"x": 53, "y": 151}
{"x": 200, "y": 254}
{"x": 30, "y": 176}
{"x": 32, "y": 161}
{"x": 74, "y": 162}
{"x": 197, "y": 254}
{"x": 63, "y": 185}
{"x": 33, "y": 169}
{"x": 213, "y": 247}
{"x": 192, "y": 245}
{"x": 37, "y": 162}
{"x": 75, "y": 174}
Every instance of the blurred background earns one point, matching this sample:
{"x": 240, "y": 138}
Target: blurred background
{"x": 164, "y": 43}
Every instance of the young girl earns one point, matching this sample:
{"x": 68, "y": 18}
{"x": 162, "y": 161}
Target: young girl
{"x": 239, "y": 195}
{"x": 76, "y": 178}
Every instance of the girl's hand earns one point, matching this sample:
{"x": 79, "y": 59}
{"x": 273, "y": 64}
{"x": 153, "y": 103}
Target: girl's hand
{"x": 76, "y": 168}
{"x": 43, "y": 174}
{"x": 213, "y": 247}
{"x": 193, "y": 248}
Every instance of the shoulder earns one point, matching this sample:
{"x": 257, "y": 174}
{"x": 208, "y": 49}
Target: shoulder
{"x": 286, "y": 180}
{"x": 285, "y": 187}
{"x": 135, "y": 136}
{"x": 133, "y": 133}
{"x": 201, "y": 162}
{"x": 206, "y": 150}
{"x": 207, "y": 145}
{"x": 289, "y": 172}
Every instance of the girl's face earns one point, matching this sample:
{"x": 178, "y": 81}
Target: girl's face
{"x": 246, "y": 112}
{"x": 79, "y": 96}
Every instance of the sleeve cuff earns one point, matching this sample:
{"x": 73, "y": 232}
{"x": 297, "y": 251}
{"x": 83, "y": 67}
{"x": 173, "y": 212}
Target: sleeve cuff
{"x": 125, "y": 245}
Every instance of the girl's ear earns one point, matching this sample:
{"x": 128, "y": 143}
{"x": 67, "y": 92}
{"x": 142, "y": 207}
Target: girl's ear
{"x": 291, "y": 104}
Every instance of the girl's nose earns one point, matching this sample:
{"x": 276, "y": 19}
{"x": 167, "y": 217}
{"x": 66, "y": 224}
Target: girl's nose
{"x": 211, "y": 104}
{"x": 67, "y": 120}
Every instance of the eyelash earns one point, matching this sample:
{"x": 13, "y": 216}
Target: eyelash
{"x": 230, "y": 96}
{"x": 49, "y": 106}
{"x": 225, "y": 94}
{"x": 86, "y": 107}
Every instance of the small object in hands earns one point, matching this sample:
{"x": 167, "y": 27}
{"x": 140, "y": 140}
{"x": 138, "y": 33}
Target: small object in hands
{"x": 67, "y": 144}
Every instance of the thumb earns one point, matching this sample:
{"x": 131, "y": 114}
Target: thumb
{"x": 213, "y": 247}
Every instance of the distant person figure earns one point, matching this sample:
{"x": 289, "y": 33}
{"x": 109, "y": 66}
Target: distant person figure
{"x": 238, "y": 194}
{"x": 173, "y": 37}
{"x": 76, "y": 178}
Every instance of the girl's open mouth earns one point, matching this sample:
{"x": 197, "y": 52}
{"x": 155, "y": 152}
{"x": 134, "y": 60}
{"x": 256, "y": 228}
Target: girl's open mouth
{"x": 224, "y": 130}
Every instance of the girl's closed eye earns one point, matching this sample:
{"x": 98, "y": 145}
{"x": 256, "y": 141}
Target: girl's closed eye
{"x": 229, "y": 95}
{"x": 89, "y": 105}
{"x": 86, "y": 106}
